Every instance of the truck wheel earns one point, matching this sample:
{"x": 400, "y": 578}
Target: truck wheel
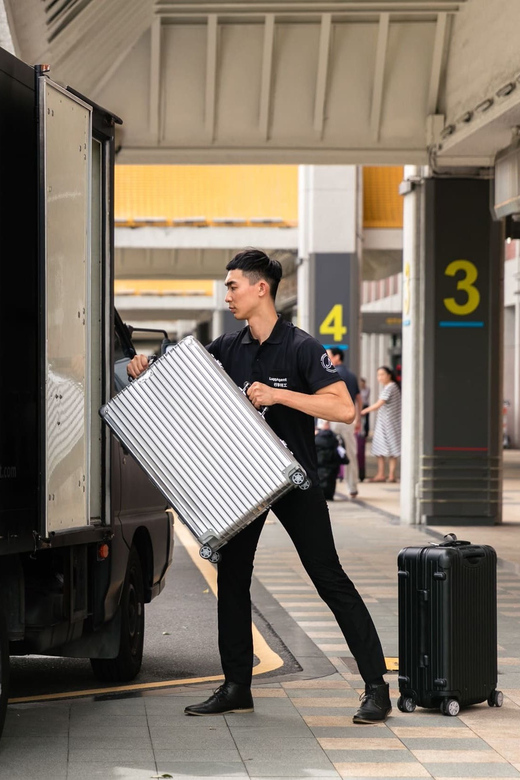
{"x": 126, "y": 665}
{"x": 4, "y": 670}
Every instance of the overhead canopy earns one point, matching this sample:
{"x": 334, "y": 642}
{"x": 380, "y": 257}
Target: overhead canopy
{"x": 292, "y": 81}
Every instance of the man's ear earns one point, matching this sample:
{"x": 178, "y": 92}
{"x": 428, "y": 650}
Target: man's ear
{"x": 263, "y": 288}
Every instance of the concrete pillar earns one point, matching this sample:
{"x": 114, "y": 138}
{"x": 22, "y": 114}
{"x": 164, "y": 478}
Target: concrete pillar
{"x": 329, "y": 256}
{"x": 516, "y": 367}
{"x": 452, "y": 353}
{"x": 412, "y": 343}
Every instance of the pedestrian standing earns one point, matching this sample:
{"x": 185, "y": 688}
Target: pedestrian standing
{"x": 292, "y": 375}
{"x": 348, "y": 431}
{"x": 386, "y": 442}
{"x": 328, "y": 458}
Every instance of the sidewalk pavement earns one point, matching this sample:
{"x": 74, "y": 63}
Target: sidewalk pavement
{"x": 301, "y": 728}
{"x": 505, "y": 538}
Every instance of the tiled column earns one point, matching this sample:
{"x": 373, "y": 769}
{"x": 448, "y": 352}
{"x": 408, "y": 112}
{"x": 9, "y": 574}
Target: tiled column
{"x": 329, "y": 254}
{"x": 452, "y": 354}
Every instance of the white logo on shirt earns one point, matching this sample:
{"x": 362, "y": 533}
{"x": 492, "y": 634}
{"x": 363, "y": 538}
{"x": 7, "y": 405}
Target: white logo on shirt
{"x": 326, "y": 363}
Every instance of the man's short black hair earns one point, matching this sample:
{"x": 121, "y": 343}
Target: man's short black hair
{"x": 256, "y": 265}
{"x": 337, "y": 351}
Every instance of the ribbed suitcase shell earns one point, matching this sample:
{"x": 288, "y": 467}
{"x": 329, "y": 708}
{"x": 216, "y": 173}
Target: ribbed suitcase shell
{"x": 447, "y": 624}
{"x": 202, "y": 442}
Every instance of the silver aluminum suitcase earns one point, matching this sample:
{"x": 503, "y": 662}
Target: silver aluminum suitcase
{"x": 203, "y": 444}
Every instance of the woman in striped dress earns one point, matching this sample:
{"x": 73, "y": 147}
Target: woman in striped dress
{"x": 387, "y": 432}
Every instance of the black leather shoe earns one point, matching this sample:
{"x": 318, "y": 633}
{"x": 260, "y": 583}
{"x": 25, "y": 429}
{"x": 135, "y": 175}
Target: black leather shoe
{"x": 230, "y": 697}
{"x": 375, "y": 705}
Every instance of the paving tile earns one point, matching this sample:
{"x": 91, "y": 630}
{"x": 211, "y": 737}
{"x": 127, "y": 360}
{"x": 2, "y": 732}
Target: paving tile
{"x": 325, "y": 721}
{"x": 353, "y": 730}
{"x": 201, "y": 768}
{"x": 459, "y": 732}
{"x": 458, "y": 756}
{"x": 380, "y": 756}
{"x": 327, "y": 701}
{"x": 472, "y": 771}
{"x": 409, "y": 769}
{"x": 346, "y": 711}
{"x": 221, "y": 755}
{"x": 292, "y": 767}
{"x": 110, "y": 772}
{"x": 111, "y": 756}
{"x": 360, "y": 743}
{"x": 341, "y": 692}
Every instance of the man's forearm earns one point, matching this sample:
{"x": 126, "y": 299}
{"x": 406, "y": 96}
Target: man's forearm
{"x": 327, "y": 406}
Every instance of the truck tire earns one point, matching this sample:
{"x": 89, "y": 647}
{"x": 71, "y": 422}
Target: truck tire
{"x": 4, "y": 670}
{"x": 127, "y": 664}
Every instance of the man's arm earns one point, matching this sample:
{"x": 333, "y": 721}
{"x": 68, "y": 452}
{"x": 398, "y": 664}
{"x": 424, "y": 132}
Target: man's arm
{"x": 332, "y": 402}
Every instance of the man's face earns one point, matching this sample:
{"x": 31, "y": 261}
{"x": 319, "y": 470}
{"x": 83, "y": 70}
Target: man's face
{"x": 242, "y": 297}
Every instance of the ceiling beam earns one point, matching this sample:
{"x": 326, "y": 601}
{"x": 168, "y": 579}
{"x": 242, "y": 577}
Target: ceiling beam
{"x": 437, "y": 59}
{"x": 379, "y": 75}
{"x": 322, "y": 74}
{"x": 315, "y": 8}
{"x": 211, "y": 76}
{"x": 155, "y": 78}
{"x": 267, "y": 73}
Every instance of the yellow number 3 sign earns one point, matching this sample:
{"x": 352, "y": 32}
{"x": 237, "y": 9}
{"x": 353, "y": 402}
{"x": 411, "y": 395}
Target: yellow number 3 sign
{"x": 332, "y": 325}
{"x": 466, "y": 284}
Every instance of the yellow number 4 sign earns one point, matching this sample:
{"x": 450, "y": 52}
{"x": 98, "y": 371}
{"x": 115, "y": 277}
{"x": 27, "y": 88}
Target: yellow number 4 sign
{"x": 332, "y": 325}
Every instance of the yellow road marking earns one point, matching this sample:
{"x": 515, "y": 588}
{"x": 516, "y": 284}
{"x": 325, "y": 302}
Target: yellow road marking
{"x": 268, "y": 659}
{"x": 392, "y": 664}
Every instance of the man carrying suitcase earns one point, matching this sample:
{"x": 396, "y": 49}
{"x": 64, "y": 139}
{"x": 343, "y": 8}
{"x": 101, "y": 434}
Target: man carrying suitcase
{"x": 290, "y": 373}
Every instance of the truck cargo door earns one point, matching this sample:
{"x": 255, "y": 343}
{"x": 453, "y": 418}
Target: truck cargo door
{"x": 65, "y": 203}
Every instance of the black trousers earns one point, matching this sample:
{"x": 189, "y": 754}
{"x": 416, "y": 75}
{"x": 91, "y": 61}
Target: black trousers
{"x": 305, "y": 517}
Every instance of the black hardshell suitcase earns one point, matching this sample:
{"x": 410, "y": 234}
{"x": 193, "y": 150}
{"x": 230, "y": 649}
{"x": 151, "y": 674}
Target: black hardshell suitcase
{"x": 447, "y": 626}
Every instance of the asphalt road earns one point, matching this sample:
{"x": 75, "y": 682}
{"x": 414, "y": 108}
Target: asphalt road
{"x": 180, "y": 641}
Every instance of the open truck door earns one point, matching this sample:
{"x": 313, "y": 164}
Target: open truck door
{"x": 75, "y": 570}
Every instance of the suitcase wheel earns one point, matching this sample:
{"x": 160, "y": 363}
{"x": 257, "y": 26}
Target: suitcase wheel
{"x": 208, "y": 554}
{"x": 406, "y": 704}
{"x": 496, "y": 699}
{"x": 306, "y": 485}
{"x": 298, "y": 478}
{"x": 450, "y": 707}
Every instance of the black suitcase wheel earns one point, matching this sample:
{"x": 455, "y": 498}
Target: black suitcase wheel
{"x": 215, "y": 557}
{"x": 206, "y": 552}
{"x": 305, "y": 485}
{"x": 406, "y": 704}
{"x": 298, "y": 477}
{"x": 450, "y": 707}
{"x": 496, "y": 699}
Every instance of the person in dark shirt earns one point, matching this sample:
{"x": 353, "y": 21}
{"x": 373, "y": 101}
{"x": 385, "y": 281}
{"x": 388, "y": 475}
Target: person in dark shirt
{"x": 292, "y": 375}
{"x": 348, "y": 432}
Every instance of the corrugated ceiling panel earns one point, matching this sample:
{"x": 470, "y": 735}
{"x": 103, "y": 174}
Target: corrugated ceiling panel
{"x": 382, "y": 204}
{"x": 210, "y": 191}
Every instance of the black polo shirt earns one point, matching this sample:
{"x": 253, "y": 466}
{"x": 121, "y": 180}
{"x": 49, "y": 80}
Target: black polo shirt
{"x": 289, "y": 359}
